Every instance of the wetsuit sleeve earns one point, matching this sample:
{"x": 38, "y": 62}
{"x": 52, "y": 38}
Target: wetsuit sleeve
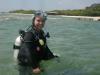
{"x": 29, "y": 39}
{"x": 48, "y": 54}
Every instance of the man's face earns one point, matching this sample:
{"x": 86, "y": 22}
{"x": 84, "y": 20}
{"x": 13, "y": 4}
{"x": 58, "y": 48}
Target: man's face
{"x": 39, "y": 23}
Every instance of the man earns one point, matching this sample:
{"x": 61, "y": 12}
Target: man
{"x": 33, "y": 47}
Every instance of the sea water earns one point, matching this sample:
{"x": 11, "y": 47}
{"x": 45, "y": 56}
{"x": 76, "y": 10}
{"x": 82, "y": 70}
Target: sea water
{"x": 76, "y": 41}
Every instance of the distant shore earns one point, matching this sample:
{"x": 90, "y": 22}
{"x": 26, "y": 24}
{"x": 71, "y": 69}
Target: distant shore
{"x": 97, "y": 18}
{"x": 91, "y": 12}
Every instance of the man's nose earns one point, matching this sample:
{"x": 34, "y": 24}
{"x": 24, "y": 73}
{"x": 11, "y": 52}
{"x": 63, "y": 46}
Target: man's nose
{"x": 41, "y": 23}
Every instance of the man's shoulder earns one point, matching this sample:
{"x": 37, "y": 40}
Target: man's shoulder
{"x": 29, "y": 34}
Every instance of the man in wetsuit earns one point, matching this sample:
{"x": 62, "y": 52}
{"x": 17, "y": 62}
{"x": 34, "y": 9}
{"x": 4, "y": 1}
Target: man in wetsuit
{"x": 34, "y": 47}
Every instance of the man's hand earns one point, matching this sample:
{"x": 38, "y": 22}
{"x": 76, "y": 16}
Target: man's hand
{"x": 36, "y": 70}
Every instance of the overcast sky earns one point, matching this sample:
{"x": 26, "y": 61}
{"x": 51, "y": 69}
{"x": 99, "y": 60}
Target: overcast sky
{"x": 7, "y": 5}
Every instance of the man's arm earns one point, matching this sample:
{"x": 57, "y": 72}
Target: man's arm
{"x": 35, "y": 64}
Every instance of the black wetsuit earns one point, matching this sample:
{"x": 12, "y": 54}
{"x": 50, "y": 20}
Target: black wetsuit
{"x": 28, "y": 53}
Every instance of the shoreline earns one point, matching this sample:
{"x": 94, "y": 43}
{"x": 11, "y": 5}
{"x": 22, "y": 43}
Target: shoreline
{"x": 94, "y": 18}
{"x": 16, "y": 13}
{"x": 97, "y": 18}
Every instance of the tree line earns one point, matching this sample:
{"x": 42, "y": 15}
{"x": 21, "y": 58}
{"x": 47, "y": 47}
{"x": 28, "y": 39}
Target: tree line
{"x": 93, "y": 10}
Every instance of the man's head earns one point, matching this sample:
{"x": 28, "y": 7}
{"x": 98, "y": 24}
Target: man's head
{"x": 39, "y": 20}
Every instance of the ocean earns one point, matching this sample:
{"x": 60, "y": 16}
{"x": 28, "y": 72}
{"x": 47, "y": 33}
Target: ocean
{"x": 76, "y": 41}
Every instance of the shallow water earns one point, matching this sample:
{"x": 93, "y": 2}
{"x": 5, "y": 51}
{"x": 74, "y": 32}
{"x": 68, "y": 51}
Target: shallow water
{"x": 77, "y": 42}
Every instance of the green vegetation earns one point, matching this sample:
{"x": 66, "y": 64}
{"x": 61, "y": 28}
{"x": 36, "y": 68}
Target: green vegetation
{"x": 93, "y": 10}
{"x": 23, "y": 11}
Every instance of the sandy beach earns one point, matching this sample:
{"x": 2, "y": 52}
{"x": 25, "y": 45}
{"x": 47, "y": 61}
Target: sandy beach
{"x": 84, "y": 17}
{"x": 77, "y": 17}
